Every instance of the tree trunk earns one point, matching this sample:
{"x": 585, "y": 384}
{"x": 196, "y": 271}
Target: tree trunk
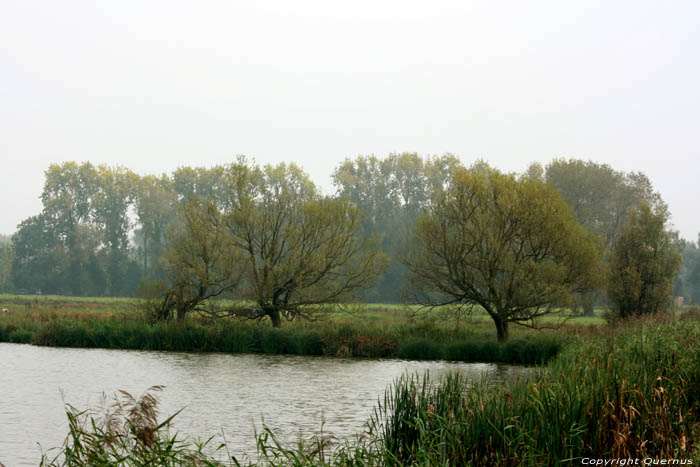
{"x": 145, "y": 255}
{"x": 588, "y": 303}
{"x": 501, "y": 329}
{"x": 275, "y": 317}
{"x": 181, "y": 315}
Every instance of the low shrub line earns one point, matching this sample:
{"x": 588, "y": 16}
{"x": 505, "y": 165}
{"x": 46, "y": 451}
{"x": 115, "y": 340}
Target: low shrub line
{"x": 417, "y": 342}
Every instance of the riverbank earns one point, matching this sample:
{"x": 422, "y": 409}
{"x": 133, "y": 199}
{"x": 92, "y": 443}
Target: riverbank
{"x": 628, "y": 391}
{"x": 420, "y": 339}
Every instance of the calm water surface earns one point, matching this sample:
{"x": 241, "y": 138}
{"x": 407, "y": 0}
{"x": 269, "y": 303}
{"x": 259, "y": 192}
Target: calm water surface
{"x": 225, "y": 392}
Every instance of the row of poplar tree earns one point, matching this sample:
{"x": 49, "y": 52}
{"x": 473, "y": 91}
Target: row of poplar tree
{"x": 102, "y": 230}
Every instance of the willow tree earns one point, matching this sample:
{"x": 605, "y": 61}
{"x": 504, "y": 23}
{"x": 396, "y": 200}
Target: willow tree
{"x": 301, "y": 249}
{"x": 508, "y": 245}
{"x": 201, "y": 263}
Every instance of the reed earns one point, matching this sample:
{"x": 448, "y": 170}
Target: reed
{"x": 630, "y": 391}
{"x": 340, "y": 338}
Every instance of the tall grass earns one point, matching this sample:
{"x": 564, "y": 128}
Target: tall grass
{"x": 630, "y": 391}
{"x": 127, "y": 433}
{"x": 421, "y": 340}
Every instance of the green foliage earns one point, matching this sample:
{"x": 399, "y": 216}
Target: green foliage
{"x": 299, "y": 248}
{"x": 336, "y": 338}
{"x": 644, "y": 262}
{"x": 85, "y": 243}
{"x": 509, "y": 245}
{"x": 79, "y": 243}
{"x": 201, "y": 263}
{"x": 7, "y": 256}
{"x": 154, "y": 202}
{"x": 600, "y": 197}
{"x": 687, "y": 283}
{"x": 626, "y": 392}
{"x": 391, "y": 192}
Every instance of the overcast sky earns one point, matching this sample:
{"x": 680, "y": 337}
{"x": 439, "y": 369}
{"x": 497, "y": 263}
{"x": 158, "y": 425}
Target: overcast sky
{"x": 153, "y": 85}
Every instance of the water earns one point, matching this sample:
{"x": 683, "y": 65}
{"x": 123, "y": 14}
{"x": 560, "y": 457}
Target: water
{"x": 225, "y": 392}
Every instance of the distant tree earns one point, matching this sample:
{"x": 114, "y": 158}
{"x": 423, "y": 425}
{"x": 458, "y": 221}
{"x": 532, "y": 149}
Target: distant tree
{"x": 7, "y": 254}
{"x": 601, "y": 198}
{"x": 535, "y": 171}
{"x": 509, "y": 245}
{"x": 39, "y": 259}
{"x": 408, "y": 180}
{"x": 439, "y": 171}
{"x": 644, "y": 261}
{"x": 204, "y": 183}
{"x": 201, "y": 263}
{"x": 301, "y": 249}
{"x": 115, "y": 192}
{"x": 366, "y": 182}
{"x": 687, "y": 281}
{"x": 67, "y": 197}
{"x": 154, "y": 202}
{"x": 390, "y": 192}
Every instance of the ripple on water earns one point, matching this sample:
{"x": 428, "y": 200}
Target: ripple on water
{"x": 229, "y": 392}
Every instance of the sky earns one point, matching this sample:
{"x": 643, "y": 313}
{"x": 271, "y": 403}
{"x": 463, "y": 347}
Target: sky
{"x": 160, "y": 84}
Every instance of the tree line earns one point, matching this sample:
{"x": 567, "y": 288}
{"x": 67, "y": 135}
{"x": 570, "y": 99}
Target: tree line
{"x": 398, "y": 228}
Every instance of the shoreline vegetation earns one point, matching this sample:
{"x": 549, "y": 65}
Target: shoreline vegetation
{"x": 373, "y": 331}
{"x": 625, "y": 390}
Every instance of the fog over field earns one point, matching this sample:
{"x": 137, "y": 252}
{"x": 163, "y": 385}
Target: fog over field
{"x": 157, "y": 85}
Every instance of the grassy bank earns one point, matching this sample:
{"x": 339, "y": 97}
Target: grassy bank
{"x": 427, "y": 339}
{"x": 625, "y": 391}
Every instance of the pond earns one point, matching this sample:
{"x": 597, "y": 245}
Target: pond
{"x": 232, "y": 393}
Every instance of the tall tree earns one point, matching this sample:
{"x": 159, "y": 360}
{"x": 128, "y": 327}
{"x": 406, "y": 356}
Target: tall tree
{"x": 510, "y": 246}
{"x": 202, "y": 263}
{"x": 7, "y": 255}
{"x": 302, "y": 249}
{"x": 155, "y": 200}
{"x": 391, "y": 192}
{"x": 644, "y": 261}
{"x": 67, "y": 198}
{"x": 39, "y": 260}
{"x": 601, "y": 198}
{"x": 115, "y": 192}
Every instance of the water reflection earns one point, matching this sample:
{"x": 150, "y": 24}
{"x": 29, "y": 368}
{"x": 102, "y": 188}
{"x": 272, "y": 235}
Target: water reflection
{"x": 218, "y": 391}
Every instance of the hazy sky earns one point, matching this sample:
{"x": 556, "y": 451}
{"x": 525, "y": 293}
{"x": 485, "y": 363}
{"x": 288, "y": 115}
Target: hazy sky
{"x": 153, "y": 85}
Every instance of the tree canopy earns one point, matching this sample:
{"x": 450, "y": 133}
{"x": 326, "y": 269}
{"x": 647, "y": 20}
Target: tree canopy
{"x": 510, "y": 246}
{"x": 200, "y": 264}
{"x": 294, "y": 248}
{"x": 645, "y": 259}
{"x": 104, "y": 229}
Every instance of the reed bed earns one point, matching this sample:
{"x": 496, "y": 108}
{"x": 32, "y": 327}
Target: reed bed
{"x": 417, "y": 340}
{"x": 626, "y": 391}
